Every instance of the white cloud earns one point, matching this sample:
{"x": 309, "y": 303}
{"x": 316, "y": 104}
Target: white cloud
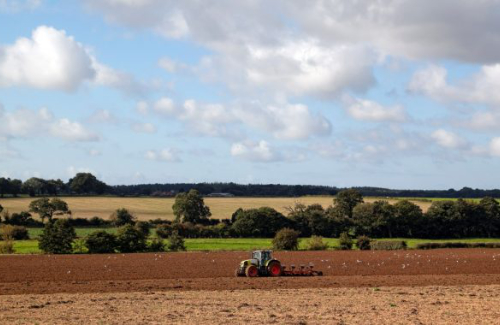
{"x": 94, "y": 152}
{"x": 258, "y": 152}
{"x": 167, "y": 154}
{"x": 19, "y": 5}
{"x": 71, "y": 171}
{"x": 169, "y": 65}
{"x": 482, "y": 87}
{"x": 52, "y": 60}
{"x": 447, "y": 139}
{"x": 495, "y": 147}
{"x": 142, "y": 108}
{"x": 143, "y": 128}
{"x": 283, "y": 120}
{"x": 71, "y": 131}
{"x": 103, "y": 116}
{"x": 49, "y": 60}
{"x": 367, "y": 110}
{"x": 26, "y": 123}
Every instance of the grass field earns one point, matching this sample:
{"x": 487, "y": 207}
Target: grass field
{"x": 248, "y": 244}
{"x": 146, "y": 208}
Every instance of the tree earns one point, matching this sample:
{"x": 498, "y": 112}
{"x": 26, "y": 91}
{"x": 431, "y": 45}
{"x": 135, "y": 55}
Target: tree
{"x": 33, "y": 186}
{"x": 122, "y": 217}
{"x": 46, "y": 208}
{"x": 54, "y": 187}
{"x": 22, "y": 218}
{"x": 176, "y": 242}
{"x": 407, "y": 219}
{"x": 86, "y": 183}
{"x": 286, "y": 239}
{"x": 262, "y": 222}
{"x": 57, "y": 237}
{"x": 100, "y": 242}
{"x": 15, "y": 187}
{"x": 491, "y": 210}
{"x": 346, "y": 200}
{"x": 130, "y": 240}
{"x": 374, "y": 219}
{"x": 4, "y": 186}
{"x": 189, "y": 207}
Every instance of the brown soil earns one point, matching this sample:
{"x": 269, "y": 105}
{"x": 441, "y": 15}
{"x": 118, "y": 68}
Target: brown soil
{"x": 214, "y": 271}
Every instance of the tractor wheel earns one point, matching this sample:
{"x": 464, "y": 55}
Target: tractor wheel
{"x": 274, "y": 269}
{"x": 251, "y": 271}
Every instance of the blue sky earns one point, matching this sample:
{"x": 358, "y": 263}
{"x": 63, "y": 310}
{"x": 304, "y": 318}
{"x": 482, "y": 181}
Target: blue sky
{"x": 397, "y": 93}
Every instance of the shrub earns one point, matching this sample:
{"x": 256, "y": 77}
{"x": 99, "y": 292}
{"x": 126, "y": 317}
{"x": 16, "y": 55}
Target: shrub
{"x": 79, "y": 246}
{"x": 143, "y": 227}
{"x": 457, "y": 245}
{"x": 286, "y": 239}
{"x": 57, "y": 237}
{"x": 100, "y": 242}
{"x": 176, "y": 242}
{"x": 388, "y": 245}
{"x": 316, "y": 243}
{"x": 164, "y": 230}
{"x": 14, "y": 233}
{"x": 156, "y": 245}
{"x": 363, "y": 243}
{"x": 122, "y": 217}
{"x": 130, "y": 240}
{"x": 345, "y": 241}
{"x": 7, "y": 247}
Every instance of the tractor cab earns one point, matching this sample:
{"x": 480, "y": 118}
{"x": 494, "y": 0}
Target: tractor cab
{"x": 262, "y": 256}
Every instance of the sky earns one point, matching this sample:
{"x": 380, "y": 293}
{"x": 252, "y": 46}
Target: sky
{"x": 396, "y": 93}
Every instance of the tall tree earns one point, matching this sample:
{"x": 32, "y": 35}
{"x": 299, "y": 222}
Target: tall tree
{"x": 86, "y": 183}
{"x": 190, "y": 207}
{"x": 46, "y": 208}
{"x": 346, "y": 200}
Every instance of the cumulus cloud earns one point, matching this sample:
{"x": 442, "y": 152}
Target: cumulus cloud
{"x": 19, "y": 5}
{"x": 26, "y": 123}
{"x": 283, "y": 120}
{"x": 495, "y": 147}
{"x": 367, "y": 110}
{"x": 258, "y": 152}
{"x": 167, "y": 155}
{"x": 482, "y": 87}
{"x": 448, "y": 139}
{"x": 52, "y": 60}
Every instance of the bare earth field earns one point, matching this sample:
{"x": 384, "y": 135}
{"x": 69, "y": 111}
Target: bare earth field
{"x": 397, "y": 287}
{"x": 152, "y": 208}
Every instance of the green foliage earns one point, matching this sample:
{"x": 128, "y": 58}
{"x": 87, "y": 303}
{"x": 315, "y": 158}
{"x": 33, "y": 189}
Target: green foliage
{"x": 346, "y": 200}
{"x": 261, "y": 222}
{"x": 100, "y": 242}
{"x": 164, "y": 230}
{"x": 363, "y": 243}
{"x": 388, "y": 245}
{"x": 57, "y": 237}
{"x": 176, "y": 242}
{"x": 143, "y": 227}
{"x": 286, "y": 239}
{"x": 156, "y": 245}
{"x": 46, "y": 208}
{"x": 9, "y": 232}
{"x": 122, "y": 217}
{"x": 79, "y": 246}
{"x": 1, "y": 209}
{"x": 316, "y": 243}
{"x": 130, "y": 240}
{"x": 190, "y": 207}
{"x": 22, "y": 218}
{"x": 345, "y": 241}
{"x": 311, "y": 220}
{"x": 86, "y": 183}
{"x": 457, "y": 245}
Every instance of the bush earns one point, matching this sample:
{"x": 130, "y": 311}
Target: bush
{"x": 156, "y": 245}
{"x": 316, "y": 243}
{"x": 143, "y": 227}
{"x": 286, "y": 239}
{"x": 14, "y": 233}
{"x": 176, "y": 242}
{"x": 363, "y": 243}
{"x": 388, "y": 245}
{"x": 164, "y": 230}
{"x": 57, "y": 237}
{"x": 130, "y": 240}
{"x": 7, "y": 247}
{"x": 457, "y": 245}
{"x": 100, "y": 242}
{"x": 79, "y": 246}
{"x": 122, "y": 217}
{"x": 345, "y": 241}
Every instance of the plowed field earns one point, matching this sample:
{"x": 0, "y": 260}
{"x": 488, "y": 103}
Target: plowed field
{"x": 215, "y": 271}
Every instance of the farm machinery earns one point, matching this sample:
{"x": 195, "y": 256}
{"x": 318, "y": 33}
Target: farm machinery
{"x": 262, "y": 263}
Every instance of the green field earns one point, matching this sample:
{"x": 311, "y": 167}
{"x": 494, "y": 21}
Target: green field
{"x": 247, "y": 244}
{"x": 146, "y": 208}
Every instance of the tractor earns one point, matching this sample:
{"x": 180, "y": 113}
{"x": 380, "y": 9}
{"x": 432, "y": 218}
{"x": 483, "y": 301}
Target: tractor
{"x": 262, "y": 263}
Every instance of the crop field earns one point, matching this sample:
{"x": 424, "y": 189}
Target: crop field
{"x": 445, "y": 286}
{"x": 146, "y": 208}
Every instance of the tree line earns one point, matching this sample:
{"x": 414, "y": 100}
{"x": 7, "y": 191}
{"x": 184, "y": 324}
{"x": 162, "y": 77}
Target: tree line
{"x": 88, "y": 184}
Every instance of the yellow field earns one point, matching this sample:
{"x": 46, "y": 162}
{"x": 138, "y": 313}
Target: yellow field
{"x": 153, "y": 208}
